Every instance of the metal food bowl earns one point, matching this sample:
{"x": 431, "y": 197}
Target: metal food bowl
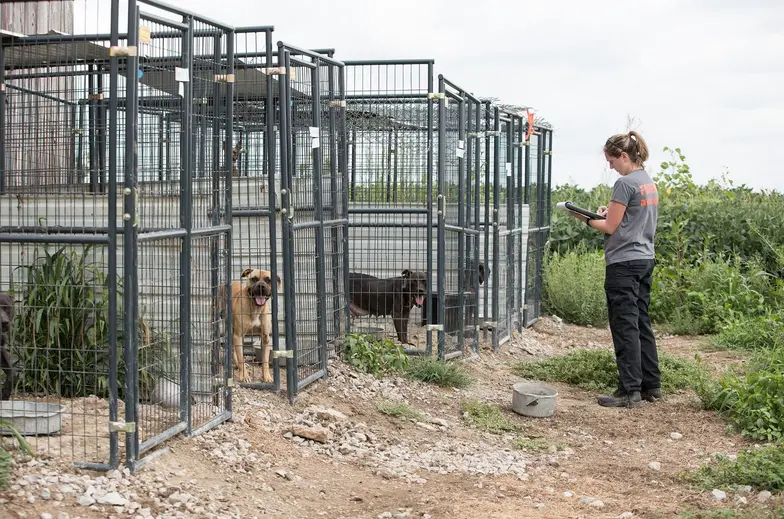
{"x": 31, "y": 418}
{"x": 534, "y": 399}
{"x": 375, "y": 331}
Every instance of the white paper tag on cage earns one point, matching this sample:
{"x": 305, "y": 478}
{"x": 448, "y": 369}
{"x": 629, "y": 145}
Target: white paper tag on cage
{"x": 181, "y": 74}
{"x": 181, "y": 89}
{"x": 508, "y": 169}
{"x": 460, "y": 153}
{"x": 461, "y": 144}
{"x": 315, "y": 143}
{"x": 314, "y": 132}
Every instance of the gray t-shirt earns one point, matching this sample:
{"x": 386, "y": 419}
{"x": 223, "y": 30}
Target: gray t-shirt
{"x": 633, "y": 239}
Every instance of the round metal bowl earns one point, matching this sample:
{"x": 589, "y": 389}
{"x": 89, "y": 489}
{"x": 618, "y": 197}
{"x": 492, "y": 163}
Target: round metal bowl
{"x": 534, "y": 399}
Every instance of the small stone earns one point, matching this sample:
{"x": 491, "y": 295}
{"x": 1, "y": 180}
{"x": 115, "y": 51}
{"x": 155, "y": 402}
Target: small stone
{"x": 316, "y": 433}
{"x": 46, "y": 494}
{"x": 764, "y": 496}
{"x": 626, "y": 515}
{"x": 587, "y": 500}
{"x": 742, "y": 500}
{"x": 676, "y": 436}
{"x": 596, "y": 504}
{"x": 63, "y": 515}
{"x": 567, "y": 494}
{"x": 113, "y": 498}
{"x": 85, "y": 500}
{"x": 46, "y": 515}
{"x": 654, "y": 465}
{"x": 719, "y": 495}
{"x": 427, "y": 426}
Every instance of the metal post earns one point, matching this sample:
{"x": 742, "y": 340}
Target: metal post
{"x": 461, "y": 195}
{"x": 428, "y": 300}
{"x": 496, "y": 221}
{"x": 186, "y": 222}
{"x": 333, "y": 199}
{"x": 441, "y": 236}
{"x": 227, "y": 346}
{"x": 111, "y": 278}
{"x": 318, "y": 214}
{"x": 477, "y": 223}
{"x": 489, "y": 262}
{"x": 288, "y": 239}
{"x": 510, "y": 224}
{"x": 215, "y": 202}
{"x": 130, "y": 243}
{"x": 342, "y": 159}
{"x": 519, "y": 204}
{"x": 269, "y": 141}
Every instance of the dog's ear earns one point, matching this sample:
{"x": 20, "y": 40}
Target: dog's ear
{"x": 406, "y": 273}
{"x": 280, "y": 283}
{"x": 246, "y": 273}
{"x": 481, "y": 273}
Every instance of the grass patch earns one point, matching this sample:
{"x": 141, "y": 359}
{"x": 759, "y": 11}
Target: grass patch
{"x": 728, "y": 513}
{"x": 562, "y": 273}
{"x": 434, "y": 371}
{"x": 487, "y": 417}
{"x": 752, "y": 334}
{"x": 400, "y": 410}
{"x": 595, "y": 370}
{"x": 761, "y": 469}
{"x": 532, "y": 444}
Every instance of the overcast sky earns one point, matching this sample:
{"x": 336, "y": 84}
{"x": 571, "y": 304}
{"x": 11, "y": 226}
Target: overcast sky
{"x": 704, "y": 75}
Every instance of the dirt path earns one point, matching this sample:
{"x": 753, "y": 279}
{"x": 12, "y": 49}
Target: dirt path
{"x": 585, "y": 461}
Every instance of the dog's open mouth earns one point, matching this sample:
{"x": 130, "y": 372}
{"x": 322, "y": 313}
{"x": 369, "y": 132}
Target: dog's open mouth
{"x": 420, "y": 300}
{"x": 260, "y": 300}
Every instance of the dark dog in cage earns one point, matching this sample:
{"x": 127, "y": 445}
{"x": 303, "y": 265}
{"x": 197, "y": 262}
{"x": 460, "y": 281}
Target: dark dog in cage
{"x": 6, "y": 320}
{"x": 235, "y": 155}
{"x": 452, "y": 301}
{"x": 251, "y": 313}
{"x": 395, "y": 296}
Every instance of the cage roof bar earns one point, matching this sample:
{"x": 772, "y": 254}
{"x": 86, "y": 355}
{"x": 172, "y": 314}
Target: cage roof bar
{"x": 183, "y": 12}
{"x": 304, "y": 52}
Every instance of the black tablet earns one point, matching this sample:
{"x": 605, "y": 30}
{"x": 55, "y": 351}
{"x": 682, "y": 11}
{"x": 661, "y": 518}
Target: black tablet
{"x": 585, "y": 212}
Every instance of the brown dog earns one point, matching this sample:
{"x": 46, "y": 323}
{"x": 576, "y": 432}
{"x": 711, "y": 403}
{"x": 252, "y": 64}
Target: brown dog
{"x": 251, "y": 313}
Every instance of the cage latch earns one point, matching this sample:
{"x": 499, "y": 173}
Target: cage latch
{"x": 126, "y": 427}
{"x": 224, "y": 78}
{"x": 119, "y": 51}
{"x": 282, "y": 354}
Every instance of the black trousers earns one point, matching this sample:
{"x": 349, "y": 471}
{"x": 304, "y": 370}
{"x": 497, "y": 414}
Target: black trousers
{"x": 628, "y": 288}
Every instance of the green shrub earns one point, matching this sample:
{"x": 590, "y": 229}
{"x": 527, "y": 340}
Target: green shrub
{"x": 760, "y": 468}
{"x": 375, "y": 356}
{"x": 574, "y": 287}
{"x": 6, "y": 466}
{"x": 434, "y": 371}
{"x": 400, "y": 410}
{"x": 752, "y": 333}
{"x": 60, "y": 335}
{"x": 596, "y": 370}
{"x": 751, "y": 396}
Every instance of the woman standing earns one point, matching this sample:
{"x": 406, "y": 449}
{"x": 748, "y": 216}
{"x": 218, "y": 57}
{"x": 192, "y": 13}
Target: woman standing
{"x": 629, "y": 229}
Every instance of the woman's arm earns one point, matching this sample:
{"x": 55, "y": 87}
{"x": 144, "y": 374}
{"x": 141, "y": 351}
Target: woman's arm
{"x": 615, "y": 214}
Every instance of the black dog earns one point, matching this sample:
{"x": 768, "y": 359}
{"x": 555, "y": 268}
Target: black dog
{"x": 452, "y": 301}
{"x": 6, "y": 320}
{"x": 369, "y": 295}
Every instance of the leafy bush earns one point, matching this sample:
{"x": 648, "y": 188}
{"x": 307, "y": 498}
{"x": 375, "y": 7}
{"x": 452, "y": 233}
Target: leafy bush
{"x": 761, "y": 469}
{"x": 751, "y": 397}
{"x": 375, "y": 356}
{"x": 574, "y": 287}
{"x": 596, "y": 370}
{"x": 6, "y": 466}
{"x": 752, "y": 333}
{"x": 60, "y": 336}
{"x": 434, "y": 371}
{"x": 400, "y": 410}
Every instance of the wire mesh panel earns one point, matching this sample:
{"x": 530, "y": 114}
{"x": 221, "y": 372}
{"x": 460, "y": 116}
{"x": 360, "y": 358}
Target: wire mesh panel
{"x": 60, "y": 285}
{"x": 539, "y": 173}
{"x": 256, "y": 242}
{"x": 310, "y": 250}
{"x": 390, "y": 130}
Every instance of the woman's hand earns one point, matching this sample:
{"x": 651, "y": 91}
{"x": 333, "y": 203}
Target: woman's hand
{"x": 602, "y": 211}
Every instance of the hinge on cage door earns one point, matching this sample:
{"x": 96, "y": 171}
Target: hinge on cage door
{"x": 229, "y": 382}
{"x": 127, "y": 427}
{"x": 439, "y": 95}
{"x": 282, "y": 354}
{"x": 118, "y": 51}
{"x": 337, "y": 103}
{"x": 525, "y": 143}
{"x": 278, "y": 71}
{"x": 492, "y": 133}
{"x": 475, "y": 135}
{"x": 224, "y": 78}
{"x": 436, "y": 327}
{"x": 490, "y": 325}
{"x": 548, "y": 152}
{"x": 95, "y": 97}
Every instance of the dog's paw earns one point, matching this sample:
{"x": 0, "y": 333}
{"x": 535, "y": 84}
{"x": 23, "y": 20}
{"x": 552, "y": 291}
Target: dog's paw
{"x": 267, "y": 377}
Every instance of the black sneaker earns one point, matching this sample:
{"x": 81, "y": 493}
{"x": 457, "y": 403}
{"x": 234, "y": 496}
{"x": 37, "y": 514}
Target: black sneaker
{"x": 621, "y": 399}
{"x": 651, "y": 395}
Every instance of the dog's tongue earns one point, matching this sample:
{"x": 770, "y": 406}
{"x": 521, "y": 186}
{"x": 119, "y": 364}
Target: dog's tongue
{"x": 260, "y": 300}
{"x": 420, "y": 300}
